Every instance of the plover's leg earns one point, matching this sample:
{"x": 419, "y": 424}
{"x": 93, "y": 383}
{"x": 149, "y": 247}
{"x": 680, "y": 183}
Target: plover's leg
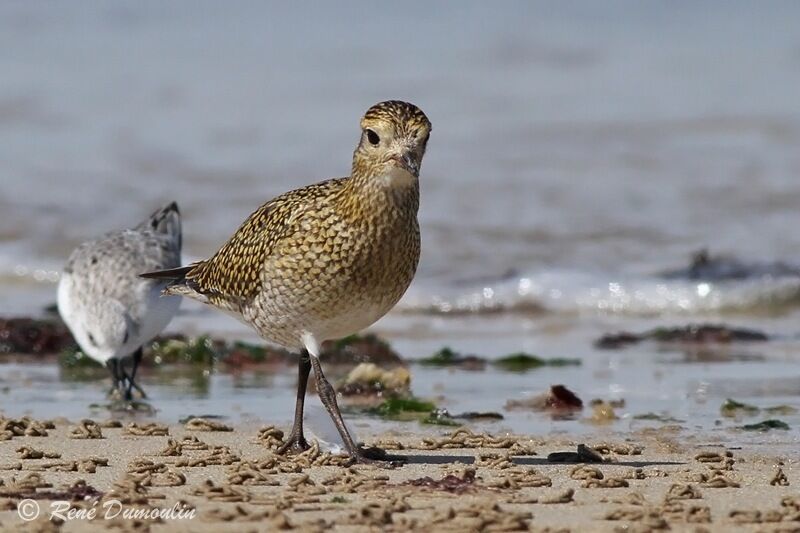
{"x": 328, "y": 396}
{"x": 137, "y": 358}
{"x": 296, "y": 441}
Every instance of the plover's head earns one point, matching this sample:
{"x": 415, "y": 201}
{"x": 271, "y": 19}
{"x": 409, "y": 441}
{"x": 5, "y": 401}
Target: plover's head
{"x": 393, "y": 139}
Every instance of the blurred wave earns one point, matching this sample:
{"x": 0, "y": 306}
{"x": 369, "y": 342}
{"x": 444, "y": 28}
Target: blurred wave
{"x": 577, "y": 292}
{"x": 708, "y": 285}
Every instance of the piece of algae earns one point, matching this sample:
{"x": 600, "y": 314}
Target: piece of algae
{"x": 766, "y": 425}
{"x": 521, "y": 361}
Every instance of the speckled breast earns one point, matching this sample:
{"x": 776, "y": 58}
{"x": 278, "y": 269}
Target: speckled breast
{"x": 334, "y": 279}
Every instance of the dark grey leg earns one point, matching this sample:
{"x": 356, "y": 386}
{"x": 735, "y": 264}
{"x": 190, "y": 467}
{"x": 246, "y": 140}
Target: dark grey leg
{"x": 328, "y": 396}
{"x": 113, "y": 367}
{"x": 137, "y": 358}
{"x": 296, "y": 441}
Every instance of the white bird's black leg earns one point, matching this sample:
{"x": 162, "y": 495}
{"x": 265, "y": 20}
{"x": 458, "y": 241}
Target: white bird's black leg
{"x": 137, "y": 358}
{"x": 116, "y": 379}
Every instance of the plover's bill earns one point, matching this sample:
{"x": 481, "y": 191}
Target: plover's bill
{"x": 109, "y": 309}
{"x": 327, "y": 260}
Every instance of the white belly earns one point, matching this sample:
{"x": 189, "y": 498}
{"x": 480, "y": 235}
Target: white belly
{"x": 289, "y": 327}
{"x": 157, "y": 313}
{"x": 348, "y": 323}
{"x": 146, "y": 319}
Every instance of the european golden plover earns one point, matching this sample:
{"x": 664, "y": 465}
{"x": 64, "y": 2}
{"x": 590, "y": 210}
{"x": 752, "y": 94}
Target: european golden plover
{"x": 109, "y": 309}
{"x": 327, "y": 260}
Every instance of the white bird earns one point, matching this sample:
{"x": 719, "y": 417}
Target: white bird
{"x": 109, "y": 309}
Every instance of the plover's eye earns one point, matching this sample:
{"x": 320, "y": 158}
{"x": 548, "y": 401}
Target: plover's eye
{"x": 91, "y": 339}
{"x": 373, "y": 138}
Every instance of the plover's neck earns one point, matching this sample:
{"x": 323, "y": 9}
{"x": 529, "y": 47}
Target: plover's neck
{"x": 387, "y": 195}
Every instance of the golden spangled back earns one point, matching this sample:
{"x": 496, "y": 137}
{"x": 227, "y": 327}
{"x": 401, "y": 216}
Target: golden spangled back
{"x": 230, "y": 278}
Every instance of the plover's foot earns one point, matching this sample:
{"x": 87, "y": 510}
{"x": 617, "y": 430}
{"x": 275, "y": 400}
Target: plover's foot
{"x": 294, "y": 444}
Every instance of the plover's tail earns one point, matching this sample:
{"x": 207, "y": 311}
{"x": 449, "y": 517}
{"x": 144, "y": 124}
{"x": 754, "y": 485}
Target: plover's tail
{"x": 167, "y": 221}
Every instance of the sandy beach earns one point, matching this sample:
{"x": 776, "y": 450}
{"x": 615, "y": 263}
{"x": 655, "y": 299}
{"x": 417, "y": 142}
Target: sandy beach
{"x": 207, "y": 476}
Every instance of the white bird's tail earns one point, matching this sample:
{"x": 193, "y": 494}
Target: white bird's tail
{"x": 167, "y": 221}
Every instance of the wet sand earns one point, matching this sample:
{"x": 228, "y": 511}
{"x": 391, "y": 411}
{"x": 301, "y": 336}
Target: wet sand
{"x": 230, "y": 477}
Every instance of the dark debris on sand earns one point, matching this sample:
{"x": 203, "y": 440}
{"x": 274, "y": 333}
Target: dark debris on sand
{"x": 583, "y": 454}
{"x": 449, "y": 483}
{"x": 447, "y": 357}
{"x": 357, "y": 349}
{"x": 691, "y": 334}
{"x": 705, "y": 266}
{"x": 558, "y": 399}
{"x": 515, "y": 362}
{"x": 33, "y": 336}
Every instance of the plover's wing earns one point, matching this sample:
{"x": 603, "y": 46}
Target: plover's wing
{"x": 230, "y": 278}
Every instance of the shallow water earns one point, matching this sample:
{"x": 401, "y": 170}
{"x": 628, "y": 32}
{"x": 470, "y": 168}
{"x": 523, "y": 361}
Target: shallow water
{"x": 686, "y": 386}
{"x": 580, "y": 153}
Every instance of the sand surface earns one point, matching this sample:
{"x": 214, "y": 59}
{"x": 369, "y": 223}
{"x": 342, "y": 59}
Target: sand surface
{"x": 221, "y": 478}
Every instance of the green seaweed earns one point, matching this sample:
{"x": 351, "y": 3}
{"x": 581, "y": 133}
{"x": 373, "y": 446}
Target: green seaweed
{"x": 732, "y": 408}
{"x": 409, "y": 409}
{"x": 521, "y": 362}
{"x": 199, "y": 350}
{"x": 74, "y": 358}
{"x": 257, "y": 353}
{"x": 392, "y": 407}
{"x": 660, "y": 333}
{"x": 440, "y": 417}
{"x": 766, "y": 425}
{"x": 444, "y": 357}
{"x": 657, "y": 417}
{"x": 436, "y": 420}
{"x": 781, "y": 410}
{"x": 346, "y": 341}
{"x": 343, "y": 343}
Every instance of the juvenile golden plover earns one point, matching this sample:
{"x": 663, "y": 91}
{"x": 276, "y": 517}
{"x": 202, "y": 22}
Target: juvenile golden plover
{"x": 109, "y": 309}
{"x": 327, "y": 260}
